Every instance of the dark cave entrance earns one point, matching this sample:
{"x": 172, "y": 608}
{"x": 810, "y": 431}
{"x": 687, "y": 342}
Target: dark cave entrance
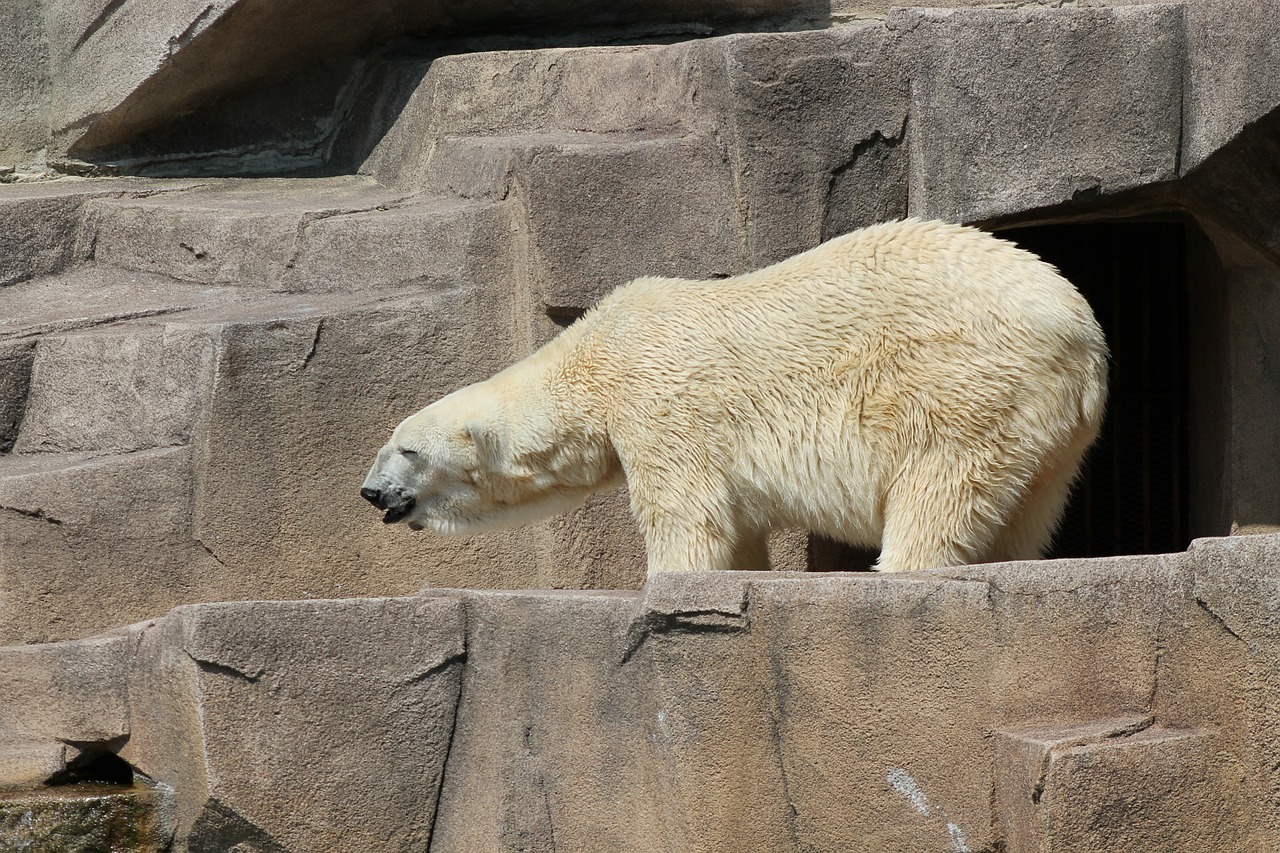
{"x": 1133, "y": 495}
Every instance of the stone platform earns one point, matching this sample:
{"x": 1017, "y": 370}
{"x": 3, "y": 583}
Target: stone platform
{"x": 1094, "y": 705}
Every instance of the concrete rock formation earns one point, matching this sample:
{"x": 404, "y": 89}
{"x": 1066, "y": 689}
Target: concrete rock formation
{"x": 224, "y": 228}
{"x": 1102, "y": 705}
{"x": 196, "y": 366}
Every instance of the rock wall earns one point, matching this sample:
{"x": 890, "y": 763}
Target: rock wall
{"x": 198, "y": 368}
{"x": 1095, "y": 705}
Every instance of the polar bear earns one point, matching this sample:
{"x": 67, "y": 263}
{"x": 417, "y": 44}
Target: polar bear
{"x": 920, "y": 387}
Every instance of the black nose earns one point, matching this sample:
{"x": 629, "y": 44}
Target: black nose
{"x": 374, "y": 497}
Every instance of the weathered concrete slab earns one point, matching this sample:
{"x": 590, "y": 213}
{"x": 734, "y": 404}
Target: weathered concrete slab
{"x": 1111, "y": 784}
{"x": 60, "y": 697}
{"x": 881, "y": 687}
{"x": 545, "y": 753}
{"x": 16, "y": 358}
{"x": 90, "y": 297}
{"x": 301, "y": 726}
{"x": 712, "y": 711}
{"x": 25, "y": 79}
{"x": 130, "y": 66}
{"x": 815, "y": 125}
{"x": 41, "y": 223}
{"x": 765, "y": 711}
{"x": 322, "y": 235}
{"x": 55, "y": 511}
{"x": 586, "y": 237}
{"x": 116, "y": 390}
{"x": 1227, "y": 89}
{"x": 1018, "y": 109}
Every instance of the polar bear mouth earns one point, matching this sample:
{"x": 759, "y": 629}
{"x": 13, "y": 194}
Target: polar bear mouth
{"x": 398, "y": 513}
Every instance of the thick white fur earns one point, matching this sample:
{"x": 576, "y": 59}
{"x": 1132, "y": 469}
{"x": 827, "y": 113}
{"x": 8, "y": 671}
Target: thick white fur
{"x": 917, "y": 386}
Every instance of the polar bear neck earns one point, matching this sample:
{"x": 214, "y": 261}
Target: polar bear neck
{"x": 553, "y": 416}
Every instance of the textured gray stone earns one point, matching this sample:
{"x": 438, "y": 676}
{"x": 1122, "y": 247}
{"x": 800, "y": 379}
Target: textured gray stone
{"x": 545, "y": 753}
{"x": 41, "y": 224}
{"x": 1112, "y": 784}
{"x": 67, "y": 691}
{"x": 301, "y": 726}
{"x": 712, "y": 711}
{"x": 54, "y": 511}
{"x": 815, "y": 123}
{"x": 16, "y": 358}
{"x": 326, "y": 235}
{"x": 1098, "y": 621}
{"x": 136, "y": 64}
{"x": 1018, "y": 109}
{"x": 59, "y": 698}
{"x": 675, "y": 219}
{"x": 120, "y": 389}
{"x": 25, "y": 80}
{"x": 1227, "y": 88}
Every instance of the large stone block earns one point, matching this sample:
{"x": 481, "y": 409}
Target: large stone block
{"x": 815, "y": 123}
{"x": 90, "y": 543}
{"x": 1112, "y": 785}
{"x": 42, "y": 227}
{"x": 299, "y": 726}
{"x": 545, "y": 755}
{"x": 1097, "y": 624}
{"x": 132, "y": 66}
{"x": 1237, "y": 581}
{"x": 435, "y": 243}
{"x": 487, "y": 97}
{"x": 25, "y": 80}
{"x": 1227, "y": 89}
{"x": 601, "y": 213}
{"x": 92, "y": 296}
{"x": 324, "y": 235}
{"x": 1017, "y": 109}
{"x": 120, "y": 389}
{"x": 16, "y": 358}
{"x": 228, "y": 231}
{"x": 60, "y": 699}
{"x": 883, "y": 700}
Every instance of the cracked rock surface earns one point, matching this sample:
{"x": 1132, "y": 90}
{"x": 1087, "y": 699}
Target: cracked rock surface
{"x": 1071, "y": 705}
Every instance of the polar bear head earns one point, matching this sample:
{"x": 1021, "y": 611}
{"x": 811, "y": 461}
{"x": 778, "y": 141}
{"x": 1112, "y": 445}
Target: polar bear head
{"x": 475, "y": 461}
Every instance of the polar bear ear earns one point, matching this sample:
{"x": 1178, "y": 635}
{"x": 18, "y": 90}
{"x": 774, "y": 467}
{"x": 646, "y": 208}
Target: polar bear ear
{"x": 485, "y": 439}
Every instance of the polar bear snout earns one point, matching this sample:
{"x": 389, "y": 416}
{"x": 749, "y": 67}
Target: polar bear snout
{"x": 395, "y": 503}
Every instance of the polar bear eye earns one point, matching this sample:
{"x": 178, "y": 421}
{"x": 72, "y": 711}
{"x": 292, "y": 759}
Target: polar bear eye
{"x": 406, "y": 452}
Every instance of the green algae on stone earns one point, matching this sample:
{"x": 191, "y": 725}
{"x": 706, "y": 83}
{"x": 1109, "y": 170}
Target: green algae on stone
{"x": 81, "y": 819}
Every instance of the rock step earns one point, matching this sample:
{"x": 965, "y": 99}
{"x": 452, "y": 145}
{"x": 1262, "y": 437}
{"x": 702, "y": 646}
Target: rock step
{"x": 102, "y": 534}
{"x": 584, "y": 235}
{"x": 40, "y": 231}
{"x": 302, "y": 234}
{"x": 110, "y": 361}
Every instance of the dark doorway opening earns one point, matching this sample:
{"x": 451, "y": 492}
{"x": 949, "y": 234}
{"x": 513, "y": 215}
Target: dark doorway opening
{"x": 1133, "y": 493}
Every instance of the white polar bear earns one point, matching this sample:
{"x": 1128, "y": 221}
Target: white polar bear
{"x": 917, "y": 386}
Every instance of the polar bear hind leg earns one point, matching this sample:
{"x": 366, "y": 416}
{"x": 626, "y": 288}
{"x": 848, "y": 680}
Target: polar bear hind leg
{"x": 1030, "y": 533}
{"x": 945, "y": 510}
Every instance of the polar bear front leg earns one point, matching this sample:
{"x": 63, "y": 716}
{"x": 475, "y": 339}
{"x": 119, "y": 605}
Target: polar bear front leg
{"x": 677, "y": 544}
{"x": 683, "y": 534}
{"x": 688, "y": 513}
